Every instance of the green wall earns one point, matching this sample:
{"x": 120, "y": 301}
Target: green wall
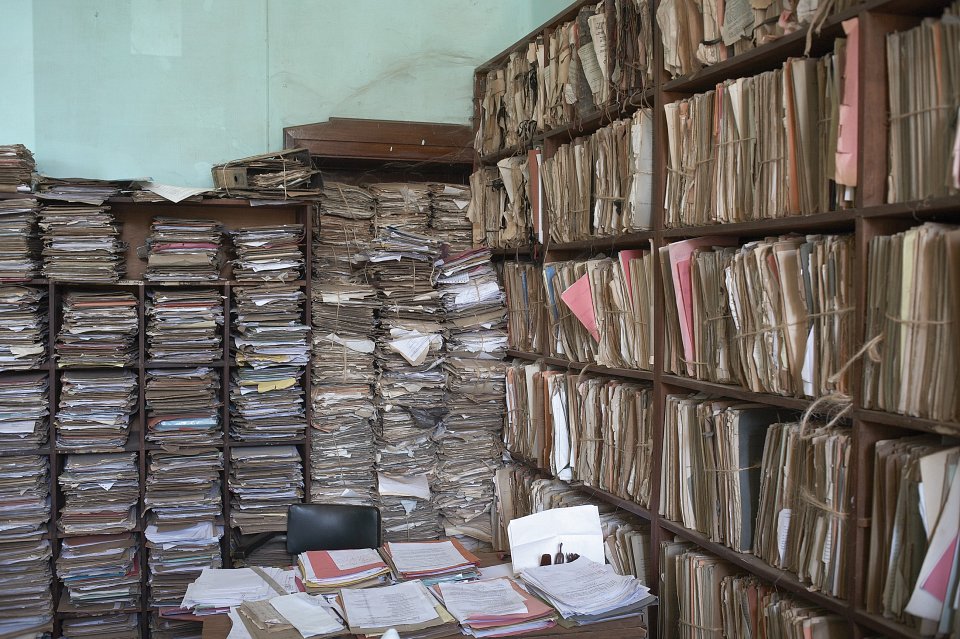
{"x": 165, "y": 88}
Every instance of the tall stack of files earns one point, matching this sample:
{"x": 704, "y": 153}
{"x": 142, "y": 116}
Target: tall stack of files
{"x": 601, "y": 185}
{"x": 804, "y": 517}
{"x": 924, "y": 97}
{"x": 264, "y": 481}
{"x": 184, "y": 326}
{"x": 101, "y": 493}
{"x": 500, "y": 204}
{"x": 469, "y": 441}
{"x": 24, "y": 410}
{"x": 494, "y": 607}
{"x": 100, "y": 573}
{"x": 410, "y": 385}
{"x": 24, "y": 323}
{"x": 99, "y": 328}
{"x": 183, "y": 250}
{"x": 690, "y": 592}
{"x": 697, "y": 34}
{"x": 184, "y": 525}
{"x": 343, "y": 228}
{"x": 431, "y": 561}
{"x": 268, "y": 253}
{"x": 183, "y": 407}
{"x": 91, "y": 191}
{"x": 276, "y": 176}
{"x": 775, "y": 316}
{"x": 762, "y": 147}
{"x": 16, "y": 168}
{"x": 526, "y": 308}
{"x": 911, "y": 326}
{"x": 102, "y": 627}
{"x": 448, "y": 215}
{"x": 915, "y": 493}
{"x": 95, "y": 410}
{"x": 509, "y": 109}
{"x": 712, "y": 450}
{"x": 19, "y": 239}
{"x": 81, "y": 243}
{"x": 26, "y": 599}
{"x": 404, "y": 206}
{"x": 752, "y": 608}
{"x": 344, "y": 411}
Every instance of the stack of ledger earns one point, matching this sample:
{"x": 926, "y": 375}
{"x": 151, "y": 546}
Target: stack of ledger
{"x": 448, "y": 215}
{"x": 268, "y": 253}
{"x": 495, "y": 607}
{"x": 267, "y": 404}
{"x": 99, "y": 329}
{"x": 413, "y": 611}
{"x": 19, "y": 239}
{"x": 26, "y": 599}
{"x": 100, "y": 572}
{"x": 183, "y": 250}
{"x": 95, "y": 410}
{"x": 343, "y": 229}
{"x": 264, "y": 481}
{"x": 82, "y": 190}
{"x": 431, "y": 561}
{"x": 276, "y": 175}
{"x": 329, "y": 570}
{"x": 24, "y": 409}
{"x": 183, "y": 406}
{"x": 81, "y": 243}
{"x": 16, "y": 168}
{"x": 185, "y": 327}
{"x": 23, "y": 327}
{"x": 100, "y": 492}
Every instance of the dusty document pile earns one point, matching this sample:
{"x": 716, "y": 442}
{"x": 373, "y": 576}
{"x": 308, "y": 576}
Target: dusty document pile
{"x": 24, "y": 323}
{"x": 81, "y": 243}
{"x": 184, "y": 327}
{"x": 99, "y": 328}
{"x": 19, "y": 239}
{"x": 95, "y": 410}
{"x": 183, "y": 250}
{"x": 16, "y": 169}
{"x": 183, "y": 407}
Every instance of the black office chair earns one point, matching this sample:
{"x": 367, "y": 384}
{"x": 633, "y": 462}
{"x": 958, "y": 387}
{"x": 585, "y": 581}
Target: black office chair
{"x": 332, "y": 527}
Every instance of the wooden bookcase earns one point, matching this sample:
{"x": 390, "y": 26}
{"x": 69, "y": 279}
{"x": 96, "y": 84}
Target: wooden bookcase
{"x": 870, "y": 216}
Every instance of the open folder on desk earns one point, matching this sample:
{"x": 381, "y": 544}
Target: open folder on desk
{"x": 407, "y": 608}
{"x": 495, "y": 608}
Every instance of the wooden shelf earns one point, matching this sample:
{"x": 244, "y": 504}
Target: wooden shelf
{"x": 905, "y": 421}
{"x": 578, "y": 366}
{"x": 736, "y": 392}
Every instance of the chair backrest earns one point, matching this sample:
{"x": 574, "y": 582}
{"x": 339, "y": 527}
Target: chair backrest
{"x": 332, "y": 527}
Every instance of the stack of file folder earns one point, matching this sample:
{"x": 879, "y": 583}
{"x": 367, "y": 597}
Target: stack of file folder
{"x": 526, "y": 306}
{"x": 101, "y": 492}
{"x": 267, "y": 404}
{"x": 448, "y": 215}
{"x": 81, "y": 243}
{"x": 100, "y": 572}
{"x": 183, "y": 250}
{"x": 510, "y": 111}
{"x": 329, "y": 570}
{"x": 431, "y": 561}
{"x": 95, "y": 410}
{"x": 16, "y": 168}
{"x": 19, "y": 239}
{"x": 500, "y": 204}
{"x": 495, "y": 607}
{"x": 402, "y": 205}
{"x": 343, "y": 229}
{"x": 26, "y": 599}
{"x": 269, "y": 328}
{"x": 278, "y": 175}
{"x": 102, "y": 626}
{"x": 268, "y": 253}
{"x": 83, "y": 190}
{"x": 24, "y": 410}
{"x": 263, "y": 482}
{"x": 99, "y": 329}
{"x": 751, "y": 607}
{"x": 23, "y": 328}
{"x": 413, "y": 611}
{"x": 183, "y": 406}
{"x": 185, "y": 326}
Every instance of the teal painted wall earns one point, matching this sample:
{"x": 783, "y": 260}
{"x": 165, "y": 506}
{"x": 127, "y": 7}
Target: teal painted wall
{"x": 165, "y": 88}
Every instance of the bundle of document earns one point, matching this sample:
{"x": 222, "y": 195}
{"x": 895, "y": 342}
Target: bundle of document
{"x": 95, "y": 410}
{"x": 767, "y": 146}
{"x": 751, "y": 606}
{"x": 16, "y": 168}
{"x": 473, "y": 305}
{"x": 100, "y": 572}
{"x": 329, "y": 570}
{"x": 296, "y": 615}
{"x": 712, "y": 450}
{"x": 217, "y": 590}
{"x": 344, "y": 332}
{"x": 101, "y": 492}
{"x": 183, "y": 497}
{"x": 495, "y": 607}
{"x": 81, "y": 243}
{"x": 184, "y": 326}
{"x": 916, "y": 495}
{"x": 913, "y": 326}
{"x": 103, "y": 626}
{"x": 278, "y": 175}
{"x": 267, "y": 404}
{"x": 775, "y": 316}
{"x": 448, "y": 215}
{"x": 19, "y": 239}
{"x": 402, "y": 205}
{"x": 183, "y": 407}
{"x": 25, "y": 497}
{"x": 510, "y": 112}
{"x": 268, "y": 253}
{"x": 264, "y": 481}
{"x": 804, "y": 515}
{"x": 99, "y": 328}
{"x": 83, "y": 190}
{"x": 412, "y": 610}
{"x": 526, "y": 306}
{"x": 431, "y": 561}
{"x": 500, "y": 204}
{"x": 924, "y": 99}
{"x": 269, "y": 328}
{"x": 183, "y": 250}
{"x": 24, "y": 410}
{"x": 23, "y": 327}
{"x": 343, "y": 230}
{"x": 342, "y": 446}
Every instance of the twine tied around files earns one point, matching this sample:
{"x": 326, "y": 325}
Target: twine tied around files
{"x": 697, "y": 627}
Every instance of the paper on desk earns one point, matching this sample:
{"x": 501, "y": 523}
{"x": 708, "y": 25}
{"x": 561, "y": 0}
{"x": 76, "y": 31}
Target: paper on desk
{"x": 309, "y": 615}
{"x": 424, "y": 557}
{"x": 404, "y": 604}
{"x": 487, "y": 598}
{"x": 578, "y": 298}
{"x": 237, "y": 630}
{"x": 497, "y": 571}
{"x": 577, "y": 528}
{"x": 172, "y": 193}
{"x": 349, "y": 559}
{"x": 404, "y": 485}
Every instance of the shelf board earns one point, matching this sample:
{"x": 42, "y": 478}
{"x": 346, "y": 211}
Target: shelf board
{"x": 888, "y": 627}
{"x": 906, "y": 421}
{"x": 510, "y": 252}
{"x": 578, "y": 366}
{"x": 605, "y": 243}
{"x": 489, "y": 159}
{"x": 736, "y": 392}
{"x": 58, "y": 534}
{"x": 619, "y": 502}
{"x": 833, "y": 220}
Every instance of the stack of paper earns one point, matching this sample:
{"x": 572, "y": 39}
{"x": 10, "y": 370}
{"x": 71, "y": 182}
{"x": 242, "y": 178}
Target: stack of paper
{"x": 185, "y": 326}
{"x": 328, "y": 570}
{"x": 402, "y": 205}
{"x": 278, "y": 175}
{"x": 81, "y": 243}
{"x": 99, "y": 329}
{"x": 585, "y": 592}
{"x": 26, "y": 600}
{"x": 500, "y": 205}
{"x": 526, "y": 308}
{"x": 343, "y": 229}
{"x": 100, "y": 572}
{"x": 83, "y": 190}
{"x": 431, "y": 561}
{"x": 19, "y": 239}
{"x": 183, "y": 499}
{"x": 24, "y": 410}
{"x": 183, "y": 250}
{"x": 495, "y": 607}
{"x": 268, "y": 253}
{"x": 343, "y": 332}
{"x": 217, "y": 590}
{"x": 297, "y": 615}
{"x": 267, "y": 404}
{"x": 16, "y": 168}
{"x": 448, "y": 215}
{"x": 913, "y": 326}
{"x": 101, "y": 492}
{"x": 23, "y": 327}
{"x": 264, "y": 481}
{"x": 183, "y": 406}
{"x": 269, "y": 328}
{"x": 95, "y": 410}
{"x": 102, "y": 627}
{"x": 408, "y": 608}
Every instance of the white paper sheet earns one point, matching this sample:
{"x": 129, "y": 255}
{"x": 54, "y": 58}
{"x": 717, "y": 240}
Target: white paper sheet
{"x": 577, "y": 528}
{"x": 400, "y": 605}
{"x": 307, "y": 614}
